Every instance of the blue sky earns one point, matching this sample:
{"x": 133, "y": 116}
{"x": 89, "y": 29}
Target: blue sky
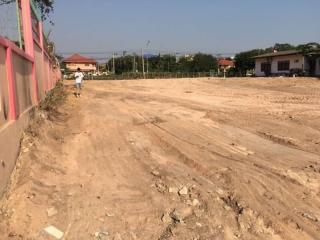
{"x": 213, "y": 26}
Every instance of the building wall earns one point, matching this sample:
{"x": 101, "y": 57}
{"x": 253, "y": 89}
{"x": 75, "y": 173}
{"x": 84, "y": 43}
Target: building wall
{"x": 258, "y": 71}
{"x": 82, "y": 66}
{"x": 300, "y": 64}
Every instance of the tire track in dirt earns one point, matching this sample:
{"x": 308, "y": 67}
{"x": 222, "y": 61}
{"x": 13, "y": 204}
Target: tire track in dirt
{"x": 245, "y": 168}
{"x": 117, "y": 163}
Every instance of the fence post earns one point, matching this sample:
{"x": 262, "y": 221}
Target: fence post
{"x": 11, "y": 85}
{"x": 28, "y": 42}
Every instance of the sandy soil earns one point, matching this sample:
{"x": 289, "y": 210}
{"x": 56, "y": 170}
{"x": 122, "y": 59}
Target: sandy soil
{"x": 245, "y": 154}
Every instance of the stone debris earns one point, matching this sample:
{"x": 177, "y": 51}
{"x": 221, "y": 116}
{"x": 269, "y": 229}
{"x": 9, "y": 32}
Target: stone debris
{"x": 155, "y": 173}
{"x": 52, "y": 211}
{"x": 195, "y": 202}
{"x": 54, "y": 232}
{"x": 161, "y": 187}
{"x": 173, "y": 190}
{"x": 26, "y": 150}
{"x": 179, "y": 215}
{"x": 198, "y": 224}
{"x": 220, "y": 191}
{"x": 166, "y": 218}
{"x": 310, "y": 217}
{"x": 183, "y": 191}
{"x": 101, "y": 235}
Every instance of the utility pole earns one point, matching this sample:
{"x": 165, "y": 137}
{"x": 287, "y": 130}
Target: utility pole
{"x": 113, "y": 64}
{"x": 142, "y": 58}
{"x": 148, "y": 43}
{"x": 134, "y": 63}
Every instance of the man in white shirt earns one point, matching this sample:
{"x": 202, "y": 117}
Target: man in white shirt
{"x": 79, "y": 78}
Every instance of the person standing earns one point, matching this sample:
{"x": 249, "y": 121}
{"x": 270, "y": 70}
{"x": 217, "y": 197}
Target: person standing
{"x": 79, "y": 78}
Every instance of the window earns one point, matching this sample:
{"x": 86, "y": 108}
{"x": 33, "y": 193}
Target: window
{"x": 296, "y": 61}
{"x": 87, "y": 65}
{"x": 265, "y": 67}
{"x": 283, "y": 65}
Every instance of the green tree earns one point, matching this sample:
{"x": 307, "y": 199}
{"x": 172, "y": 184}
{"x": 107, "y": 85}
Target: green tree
{"x": 185, "y": 64}
{"x": 309, "y": 47}
{"x": 308, "y": 51}
{"x": 244, "y": 61}
{"x": 283, "y": 47}
{"x": 204, "y": 63}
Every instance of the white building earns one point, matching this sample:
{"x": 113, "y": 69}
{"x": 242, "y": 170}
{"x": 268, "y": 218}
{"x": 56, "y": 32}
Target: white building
{"x": 286, "y": 62}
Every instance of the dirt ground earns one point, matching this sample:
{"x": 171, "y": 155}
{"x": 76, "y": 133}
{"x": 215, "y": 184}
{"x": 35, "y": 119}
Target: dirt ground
{"x": 190, "y": 159}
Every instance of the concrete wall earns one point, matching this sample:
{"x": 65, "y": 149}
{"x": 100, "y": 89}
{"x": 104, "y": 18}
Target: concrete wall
{"x": 25, "y": 77}
{"x": 39, "y": 70}
{"x": 10, "y": 131}
{"x": 15, "y": 69}
{"x": 10, "y": 135}
{"x": 21, "y": 76}
{"x": 274, "y": 64}
{"x": 4, "y": 100}
{"x": 82, "y": 66}
{"x": 23, "y": 83}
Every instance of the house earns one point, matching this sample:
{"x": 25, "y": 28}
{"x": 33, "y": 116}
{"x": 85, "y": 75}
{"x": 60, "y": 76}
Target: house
{"x": 77, "y": 61}
{"x": 287, "y": 62}
{"x": 225, "y": 64}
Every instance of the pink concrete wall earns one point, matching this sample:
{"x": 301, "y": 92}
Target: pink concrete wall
{"x": 23, "y": 83}
{"x": 19, "y": 72}
{"x": 26, "y": 75}
{"x": 10, "y": 136}
{"x": 46, "y": 73}
{"x": 4, "y": 99}
{"x": 39, "y": 70}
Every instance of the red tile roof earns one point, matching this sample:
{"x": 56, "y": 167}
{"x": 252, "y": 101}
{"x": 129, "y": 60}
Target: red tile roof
{"x": 224, "y": 62}
{"x": 77, "y": 58}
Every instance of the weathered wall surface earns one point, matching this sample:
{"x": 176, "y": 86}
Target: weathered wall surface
{"x": 23, "y": 83}
{"x": 26, "y": 75}
{"x": 18, "y": 73}
{"x": 10, "y": 136}
{"x": 4, "y": 106}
